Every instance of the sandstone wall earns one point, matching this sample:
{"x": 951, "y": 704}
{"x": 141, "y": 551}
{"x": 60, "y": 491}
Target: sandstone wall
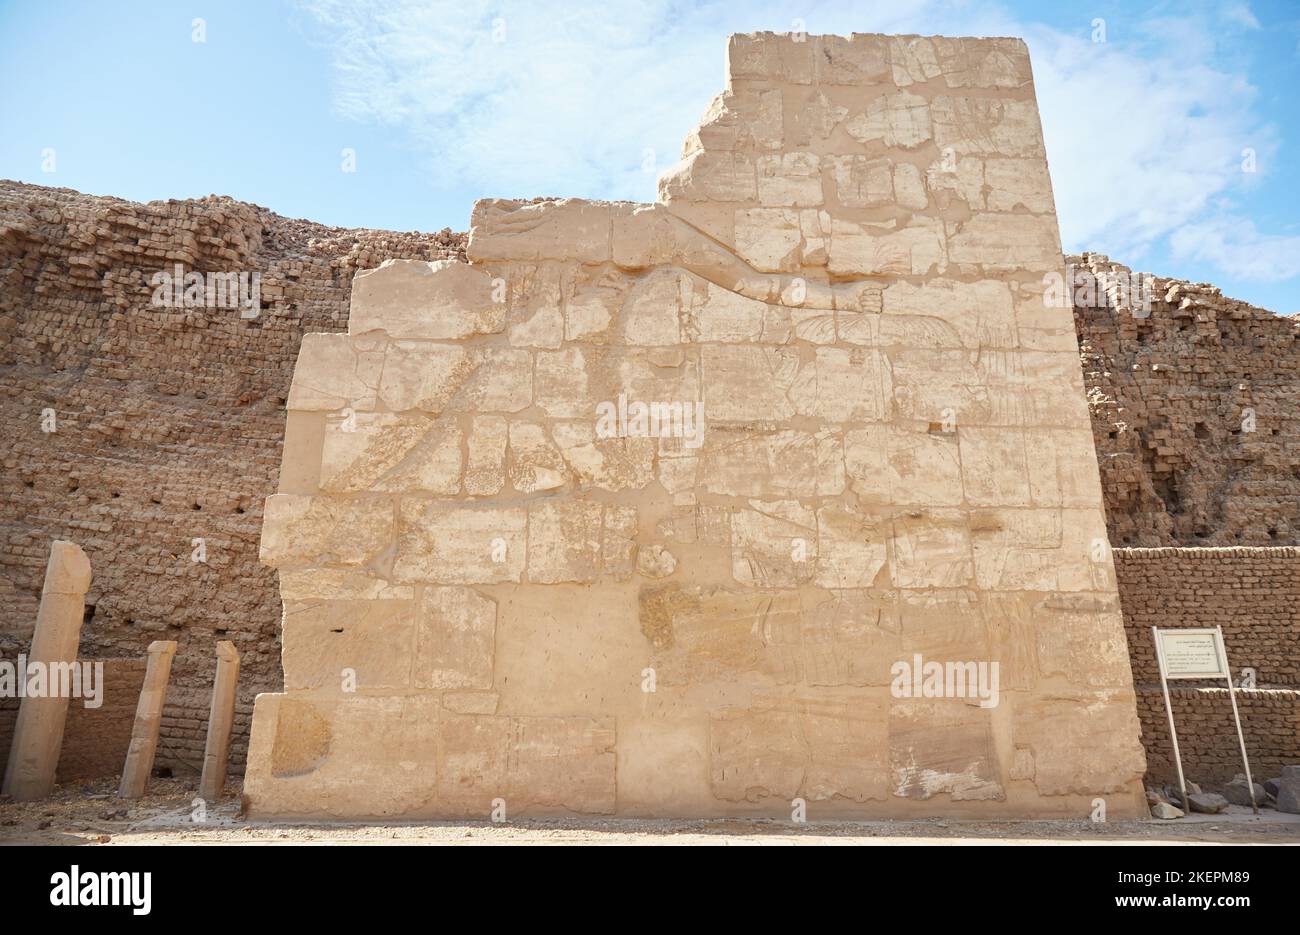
{"x": 491, "y": 598}
{"x": 1254, "y": 595}
{"x": 168, "y": 421}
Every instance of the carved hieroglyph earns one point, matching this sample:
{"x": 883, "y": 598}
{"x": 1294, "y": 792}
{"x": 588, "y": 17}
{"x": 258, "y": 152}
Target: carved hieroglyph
{"x": 650, "y": 508}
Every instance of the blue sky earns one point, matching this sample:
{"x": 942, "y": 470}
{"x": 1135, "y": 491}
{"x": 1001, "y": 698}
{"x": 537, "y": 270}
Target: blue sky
{"x": 446, "y": 102}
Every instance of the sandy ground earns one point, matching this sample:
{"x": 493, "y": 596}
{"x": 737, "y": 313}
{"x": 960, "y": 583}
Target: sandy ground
{"x": 87, "y": 813}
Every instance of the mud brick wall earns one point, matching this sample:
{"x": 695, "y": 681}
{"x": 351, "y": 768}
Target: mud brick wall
{"x": 1207, "y": 737}
{"x": 169, "y": 423}
{"x": 1170, "y": 387}
{"x": 184, "y": 728}
{"x": 94, "y": 739}
{"x": 1253, "y": 593}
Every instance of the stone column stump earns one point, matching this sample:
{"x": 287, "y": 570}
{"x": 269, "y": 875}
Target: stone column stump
{"x": 216, "y": 753}
{"x": 148, "y": 721}
{"x": 38, "y": 735}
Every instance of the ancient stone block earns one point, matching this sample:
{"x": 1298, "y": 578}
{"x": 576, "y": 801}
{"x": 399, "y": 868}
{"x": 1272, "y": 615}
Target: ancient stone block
{"x": 526, "y": 761}
{"x": 663, "y": 765}
{"x": 993, "y": 466}
{"x": 1081, "y": 641}
{"x": 384, "y": 452}
{"x": 337, "y": 645}
{"x": 720, "y": 315}
{"x": 744, "y": 383}
{"x": 888, "y": 464}
{"x": 534, "y": 463}
{"x": 840, "y": 385}
{"x": 455, "y": 639}
{"x": 300, "y": 531}
{"x": 787, "y": 464}
{"x": 985, "y": 125}
{"x": 652, "y": 310}
{"x": 1089, "y": 755}
{"x": 931, "y": 549}
{"x": 335, "y": 371}
{"x": 649, "y": 509}
{"x": 410, "y": 299}
{"x": 486, "y": 455}
{"x": 970, "y": 315}
{"x": 607, "y": 463}
{"x": 423, "y": 375}
{"x": 942, "y": 748}
{"x": 561, "y": 383}
{"x": 898, "y": 119}
{"x": 790, "y": 180}
{"x": 774, "y": 544}
{"x": 440, "y": 542}
{"x": 549, "y": 230}
{"x": 577, "y": 540}
{"x": 815, "y": 749}
{"x": 851, "y": 549}
{"x": 1041, "y": 550}
{"x": 995, "y": 242}
{"x": 368, "y": 756}
{"x": 858, "y": 250}
{"x": 321, "y": 584}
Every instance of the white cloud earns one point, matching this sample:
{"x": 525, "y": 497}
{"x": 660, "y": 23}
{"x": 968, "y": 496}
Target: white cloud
{"x": 1240, "y": 13}
{"x": 576, "y": 93}
{"x": 1144, "y": 133}
{"x": 1235, "y": 246}
{"x": 1139, "y": 141}
{"x": 566, "y": 104}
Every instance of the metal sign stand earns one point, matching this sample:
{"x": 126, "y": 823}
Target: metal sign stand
{"x": 1169, "y": 710}
{"x": 1222, "y": 669}
{"x": 1236, "y": 717}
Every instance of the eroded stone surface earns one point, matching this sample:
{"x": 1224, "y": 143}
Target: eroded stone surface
{"x": 642, "y": 509}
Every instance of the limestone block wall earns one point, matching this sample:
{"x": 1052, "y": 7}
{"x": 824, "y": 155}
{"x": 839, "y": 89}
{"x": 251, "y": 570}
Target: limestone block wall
{"x": 636, "y": 512}
{"x": 1254, "y": 595}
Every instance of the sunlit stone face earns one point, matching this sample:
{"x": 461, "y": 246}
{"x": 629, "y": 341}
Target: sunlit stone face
{"x": 762, "y": 499}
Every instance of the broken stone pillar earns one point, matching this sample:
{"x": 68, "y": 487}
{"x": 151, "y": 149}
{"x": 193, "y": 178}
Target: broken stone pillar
{"x": 221, "y": 718}
{"x": 38, "y": 735}
{"x": 148, "y": 720}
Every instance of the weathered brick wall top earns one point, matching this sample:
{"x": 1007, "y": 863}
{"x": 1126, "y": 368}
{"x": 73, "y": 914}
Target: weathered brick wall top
{"x": 1194, "y": 414}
